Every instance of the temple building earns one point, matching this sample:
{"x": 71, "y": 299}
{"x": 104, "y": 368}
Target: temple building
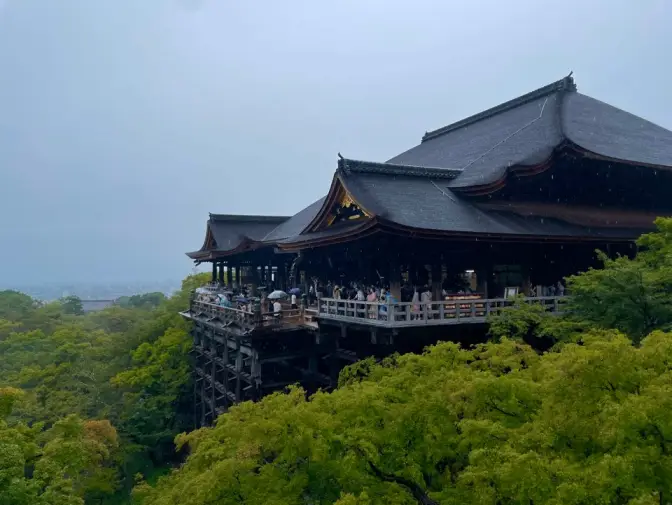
{"x": 508, "y": 201}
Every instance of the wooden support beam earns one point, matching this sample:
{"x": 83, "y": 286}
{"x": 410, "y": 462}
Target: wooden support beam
{"x": 226, "y": 373}
{"x": 220, "y": 277}
{"x": 255, "y": 373}
{"x": 239, "y": 370}
{"x": 213, "y": 370}
{"x": 436, "y": 281}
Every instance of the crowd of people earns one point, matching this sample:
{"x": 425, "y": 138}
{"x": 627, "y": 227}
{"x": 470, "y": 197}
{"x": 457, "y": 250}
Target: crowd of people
{"x": 248, "y": 298}
{"x": 269, "y": 301}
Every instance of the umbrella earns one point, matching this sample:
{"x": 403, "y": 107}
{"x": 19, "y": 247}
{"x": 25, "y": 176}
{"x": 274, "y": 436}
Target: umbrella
{"x": 242, "y": 299}
{"x": 277, "y": 294}
{"x": 295, "y": 291}
{"x": 227, "y": 292}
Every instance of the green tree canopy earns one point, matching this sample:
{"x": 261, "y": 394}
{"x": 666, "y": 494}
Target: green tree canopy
{"x": 632, "y": 295}
{"x": 123, "y": 365}
{"x": 143, "y": 301}
{"x": 15, "y": 306}
{"x": 72, "y": 305}
{"x": 60, "y": 466}
{"x": 497, "y": 424}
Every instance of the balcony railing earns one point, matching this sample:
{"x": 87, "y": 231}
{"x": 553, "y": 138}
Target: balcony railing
{"x": 404, "y": 314}
{"x": 247, "y": 318}
{"x": 424, "y": 313}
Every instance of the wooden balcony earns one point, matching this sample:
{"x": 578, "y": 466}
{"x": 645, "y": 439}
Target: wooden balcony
{"x": 398, "y": 315}
{"x": 408, "y": 314}
{"x": 248, "y": 321}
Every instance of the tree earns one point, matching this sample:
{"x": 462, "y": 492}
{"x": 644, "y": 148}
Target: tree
{"x": 156, "y": 384}
{"x": 496, "y": 424}
{"x": 125, "y": 365}
{"x": 72, "y": 305}
{"x": 143, "y": 301}
{"x": 15, "y": 306}
{"x": 632, "y": 295}
{"x": 535, "y": 325}
{"x": 59, "y": 466}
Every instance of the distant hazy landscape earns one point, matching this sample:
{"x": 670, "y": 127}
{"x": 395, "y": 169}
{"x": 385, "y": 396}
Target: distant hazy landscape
{"x": 94, "y": 290}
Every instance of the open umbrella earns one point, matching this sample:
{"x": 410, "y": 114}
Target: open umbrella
{"x": 241, "y": 299}
{"x": 295, "y": 291}
{"x": 277, "y": 294}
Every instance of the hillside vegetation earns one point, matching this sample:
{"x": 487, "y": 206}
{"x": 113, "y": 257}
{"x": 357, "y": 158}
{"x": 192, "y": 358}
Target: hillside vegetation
{"x": 554, "y": 410}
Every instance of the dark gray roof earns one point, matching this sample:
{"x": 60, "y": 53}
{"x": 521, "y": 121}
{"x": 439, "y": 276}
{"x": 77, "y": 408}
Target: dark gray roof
{"x": 526, "y": 130}
{"x": 231, "y": 231}
{"x": 336, "y": 230}
{"x": 295, "y": 224}
{"x": 418, "y": 202}
{"x": 245, "y": 218}
{"x": 608, "y": 131}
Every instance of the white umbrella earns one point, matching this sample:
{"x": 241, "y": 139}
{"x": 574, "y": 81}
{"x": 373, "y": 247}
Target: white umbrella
{"x": 277, "y": 294}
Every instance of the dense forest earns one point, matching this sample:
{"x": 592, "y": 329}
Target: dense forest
{"x": 571, "y": 409}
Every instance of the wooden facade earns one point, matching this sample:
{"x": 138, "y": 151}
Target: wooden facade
{"x": 510, "y": 200}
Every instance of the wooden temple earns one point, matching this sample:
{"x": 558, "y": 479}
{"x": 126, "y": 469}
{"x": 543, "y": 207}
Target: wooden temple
{"x": 508, "y": 201}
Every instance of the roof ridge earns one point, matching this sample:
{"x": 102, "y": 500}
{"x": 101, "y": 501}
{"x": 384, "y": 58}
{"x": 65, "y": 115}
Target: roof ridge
{"x": 247, "y": 218}
{"x": 564, "y": 84}
{"x": 374, "y": 167}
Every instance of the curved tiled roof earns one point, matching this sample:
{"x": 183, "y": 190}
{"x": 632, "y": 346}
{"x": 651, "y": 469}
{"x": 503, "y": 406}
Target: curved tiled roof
{"x": 230, "y": 232}
{"x": 525, "y": 132}
{"x": 419, "y": 203}
{"x": 613, "y": 133}
{"x": 423, "y": 188}
{"x": 295, "y": 224}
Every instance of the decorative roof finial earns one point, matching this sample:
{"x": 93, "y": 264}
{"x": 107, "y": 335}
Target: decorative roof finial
{"x": 340, "y": 157}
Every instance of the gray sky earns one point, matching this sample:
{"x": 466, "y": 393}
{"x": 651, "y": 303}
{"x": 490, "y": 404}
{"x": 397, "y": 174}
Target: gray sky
{"x": 124, "y": 122}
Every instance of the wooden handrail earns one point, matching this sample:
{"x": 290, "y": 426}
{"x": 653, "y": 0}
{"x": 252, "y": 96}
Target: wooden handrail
{"x": 419, "y": 313}
{"x": 399, "y": 314}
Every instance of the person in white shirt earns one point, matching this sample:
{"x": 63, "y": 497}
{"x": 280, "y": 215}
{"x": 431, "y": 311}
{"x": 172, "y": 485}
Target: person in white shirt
{"x": 294, "y": 301}
{"x": 277, "y": 309}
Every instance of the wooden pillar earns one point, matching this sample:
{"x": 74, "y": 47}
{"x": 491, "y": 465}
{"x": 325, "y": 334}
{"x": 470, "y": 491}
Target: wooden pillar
{"x": 255, "y": 372}
{"x": 213, "y": 355}
{"x": 239, "y": 369}
{"x": 482, "y": 282}
{"x": 436, "y": 282}
{"x": 195, "y": 331}
{"x": 395, "y": 281}
{"x": 214, "y": 271}
{"x": 527, "y": 282}
{"x": 237, "y": 269}
{"x": 203, "y": 397}
{"x": 280, "y": 276}
{"x": 226, "y": 369}
{"x": 229, "y": 276}
{"x": 221, "y": 272}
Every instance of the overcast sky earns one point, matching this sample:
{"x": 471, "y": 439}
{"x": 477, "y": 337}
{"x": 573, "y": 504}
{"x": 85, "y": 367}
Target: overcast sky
{"x": 124, "y": 122}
